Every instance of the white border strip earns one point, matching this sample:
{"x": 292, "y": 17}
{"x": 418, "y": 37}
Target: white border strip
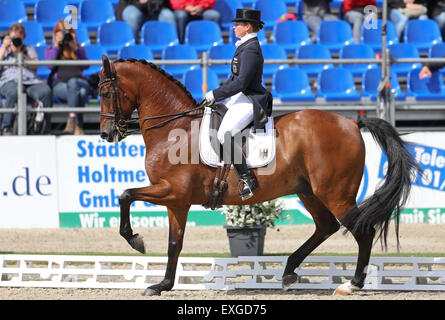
{"x": 263, "y": 272}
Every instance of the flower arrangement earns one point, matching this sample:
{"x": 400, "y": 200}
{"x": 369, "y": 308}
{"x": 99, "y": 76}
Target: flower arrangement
{"x": 264, "y": 213}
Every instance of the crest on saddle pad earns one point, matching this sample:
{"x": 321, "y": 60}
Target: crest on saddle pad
{"x": 259, "y": 148}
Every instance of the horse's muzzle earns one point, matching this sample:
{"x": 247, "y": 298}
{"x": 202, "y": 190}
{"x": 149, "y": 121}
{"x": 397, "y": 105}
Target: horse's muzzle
{"x": 108, "y": 132}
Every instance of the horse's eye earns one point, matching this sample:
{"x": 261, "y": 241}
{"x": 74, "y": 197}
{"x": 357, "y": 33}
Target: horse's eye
{"x": 106, "y": 95}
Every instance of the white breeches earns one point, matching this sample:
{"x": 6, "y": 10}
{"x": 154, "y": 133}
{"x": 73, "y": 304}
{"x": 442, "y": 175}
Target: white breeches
{"x": 238, "y": 116}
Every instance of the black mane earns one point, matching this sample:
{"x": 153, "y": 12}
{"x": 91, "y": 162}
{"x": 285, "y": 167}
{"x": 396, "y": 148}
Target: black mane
{"x": 161, "y": 71}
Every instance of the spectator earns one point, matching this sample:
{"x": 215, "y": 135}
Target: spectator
{"x": 187, "y": 10}
{"x": 400, "y": 11}
{"x": 68, "y": 82}
{"x": 314, "y": 12}
{"x": 429, "y": 68}
{"x": 436, "y": 11}
{"x": 137, "y": 12}
{"x": 354, "y": 13}
{"x": 34, "y": 87}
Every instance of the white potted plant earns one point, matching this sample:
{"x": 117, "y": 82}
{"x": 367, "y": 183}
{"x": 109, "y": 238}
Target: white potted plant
{"x": 246, "y": 226}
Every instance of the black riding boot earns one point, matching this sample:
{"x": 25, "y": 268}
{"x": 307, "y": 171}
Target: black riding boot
{"x": 247, "y": 181}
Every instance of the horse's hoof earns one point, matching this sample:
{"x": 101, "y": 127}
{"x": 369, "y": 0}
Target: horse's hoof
{"x": 151, "y": 292}
{"x": 345, "y": 289}
{"x": 137, "y": 243}
{"x": 289, "y": 280}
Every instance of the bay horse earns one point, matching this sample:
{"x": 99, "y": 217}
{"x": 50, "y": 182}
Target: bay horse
{"x": 320, "y": 156}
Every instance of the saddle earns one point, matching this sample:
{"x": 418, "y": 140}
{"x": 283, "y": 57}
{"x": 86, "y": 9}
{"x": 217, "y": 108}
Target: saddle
{"x": 259, "y": 149}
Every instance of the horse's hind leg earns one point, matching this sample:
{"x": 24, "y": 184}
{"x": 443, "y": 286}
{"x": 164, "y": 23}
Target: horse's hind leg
{"x": 364, "y": 240}
{"x": 150, "y": 194}
{"x": 325, "y": 225}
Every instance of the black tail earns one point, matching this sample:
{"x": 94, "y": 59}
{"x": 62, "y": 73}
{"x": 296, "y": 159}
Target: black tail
{"x": 376, "y": 211}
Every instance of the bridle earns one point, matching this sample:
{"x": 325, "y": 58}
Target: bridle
{"x": 120, "y": 122}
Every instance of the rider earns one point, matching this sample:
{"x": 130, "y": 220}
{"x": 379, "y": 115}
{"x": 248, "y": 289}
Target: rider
{"x": 248, "y": 99}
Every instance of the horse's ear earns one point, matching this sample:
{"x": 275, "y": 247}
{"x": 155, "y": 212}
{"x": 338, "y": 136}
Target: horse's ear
{"x": 106, "y": 65}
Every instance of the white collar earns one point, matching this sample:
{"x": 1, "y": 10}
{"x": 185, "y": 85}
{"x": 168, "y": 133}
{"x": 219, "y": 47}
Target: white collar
{"x": 245, "y": 38}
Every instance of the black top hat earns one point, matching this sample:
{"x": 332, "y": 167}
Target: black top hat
{"x": 248, "y": 15}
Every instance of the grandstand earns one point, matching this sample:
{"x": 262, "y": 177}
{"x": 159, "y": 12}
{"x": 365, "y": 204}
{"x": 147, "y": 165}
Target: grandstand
{"x": 281, "y": 40}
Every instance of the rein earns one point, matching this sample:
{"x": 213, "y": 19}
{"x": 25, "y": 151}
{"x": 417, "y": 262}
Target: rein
{"x": 121, "y": 123}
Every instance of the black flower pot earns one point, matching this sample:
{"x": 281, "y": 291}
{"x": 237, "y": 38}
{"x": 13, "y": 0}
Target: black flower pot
{"x": 246, "y": 241}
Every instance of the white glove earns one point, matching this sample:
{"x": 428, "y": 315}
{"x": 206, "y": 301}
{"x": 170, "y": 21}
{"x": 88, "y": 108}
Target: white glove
{"x": 209, "y": 98}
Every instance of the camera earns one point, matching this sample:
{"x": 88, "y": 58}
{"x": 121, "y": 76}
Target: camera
{"x": 17, "y": 42}
{"x": 67, "y": 38}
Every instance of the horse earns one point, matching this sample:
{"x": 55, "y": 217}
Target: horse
{"x": 320, "y": 156}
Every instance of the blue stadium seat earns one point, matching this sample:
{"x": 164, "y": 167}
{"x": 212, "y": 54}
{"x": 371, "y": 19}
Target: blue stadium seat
{"x": 292, "y": 3}
{"x": 115, "y": 35}
{"x": 335, "y": 34}
{"x": 34, "y": 34}
{"x": 373, "y": 37}
{"x": 357, "y": 51}
{"x": 93, "y": 13}
{"x": 222, "y": 51}
{"x": 370, "y": 82}
{"x": 438, "y": 51}
{"x": 403, "y": 50}
{"x": 261, "y": 36}
{"x": 75, "y": 2}
{"x": 203, "y": 34}
{"x": 49, "y": 12}
{"x": 179, "y": 52}
{"x": 248, "y": 3}
{"x": 337, "y": 84}
{"x": 192, "y": 80}
{"x": 272, "y": 51}
{"x": 29, "y": 3}
{"x": 314, "y": 51}
{"x": 271, "y": 10}
{"x": 425, "y": 89}
{"x": 42, "y": 71}
{"x": 291, "y": 35}
{"x": 227, "y": 9}
{"x": 423, "y": 34}
{"x": 292, "y": 84}
{"x": 11, "y": 11}
{"x": 94, "y": 52}
{"x": 83, "y": 37}
{"x": 158, "y": 35}
{"x": 136, "y": 51}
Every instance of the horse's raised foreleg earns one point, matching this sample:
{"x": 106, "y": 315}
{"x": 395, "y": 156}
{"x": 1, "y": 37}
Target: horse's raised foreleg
{"x": 152, "y": 194}
{"x": 177, "y": 220}
{"x": 325, "y": 225}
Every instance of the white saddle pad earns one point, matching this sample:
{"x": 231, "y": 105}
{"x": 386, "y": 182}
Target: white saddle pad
{"x": 260, "y": 146}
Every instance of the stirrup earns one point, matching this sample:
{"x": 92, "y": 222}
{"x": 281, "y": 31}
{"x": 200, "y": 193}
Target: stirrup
{"x": 246, "y": 192}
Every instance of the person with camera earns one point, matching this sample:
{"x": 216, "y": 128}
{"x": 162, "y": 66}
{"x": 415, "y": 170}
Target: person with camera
{"x": 36, "y": 89}
{"x": 68, "y": 82}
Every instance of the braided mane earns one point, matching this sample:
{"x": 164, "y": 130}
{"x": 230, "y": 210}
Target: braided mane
{"x": 163, "y": 72}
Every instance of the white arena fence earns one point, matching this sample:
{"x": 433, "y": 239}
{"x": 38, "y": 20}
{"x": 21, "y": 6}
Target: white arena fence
{"x": 259, "y": 272}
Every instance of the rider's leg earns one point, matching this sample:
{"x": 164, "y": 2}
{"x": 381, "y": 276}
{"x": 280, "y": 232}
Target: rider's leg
{"x": 238, "y": 117}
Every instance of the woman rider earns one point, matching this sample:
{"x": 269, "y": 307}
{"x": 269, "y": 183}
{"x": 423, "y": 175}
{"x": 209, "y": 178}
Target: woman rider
{"x": 248, "y": 100}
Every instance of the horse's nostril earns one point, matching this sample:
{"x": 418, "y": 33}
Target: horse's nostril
{"x": 104, "y": 135}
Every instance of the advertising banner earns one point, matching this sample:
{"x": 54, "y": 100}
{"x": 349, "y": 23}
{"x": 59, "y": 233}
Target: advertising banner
{"x": 28, "y": 182}
{"x": 76, "y": 181}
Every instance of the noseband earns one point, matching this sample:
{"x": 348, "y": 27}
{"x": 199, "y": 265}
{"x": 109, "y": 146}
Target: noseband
{"x": 121, "y": 123}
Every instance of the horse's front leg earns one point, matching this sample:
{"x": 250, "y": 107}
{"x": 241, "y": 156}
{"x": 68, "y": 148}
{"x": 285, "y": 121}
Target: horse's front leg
{"x": 177, "y": 220}
{"x": 153, "y": 194}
